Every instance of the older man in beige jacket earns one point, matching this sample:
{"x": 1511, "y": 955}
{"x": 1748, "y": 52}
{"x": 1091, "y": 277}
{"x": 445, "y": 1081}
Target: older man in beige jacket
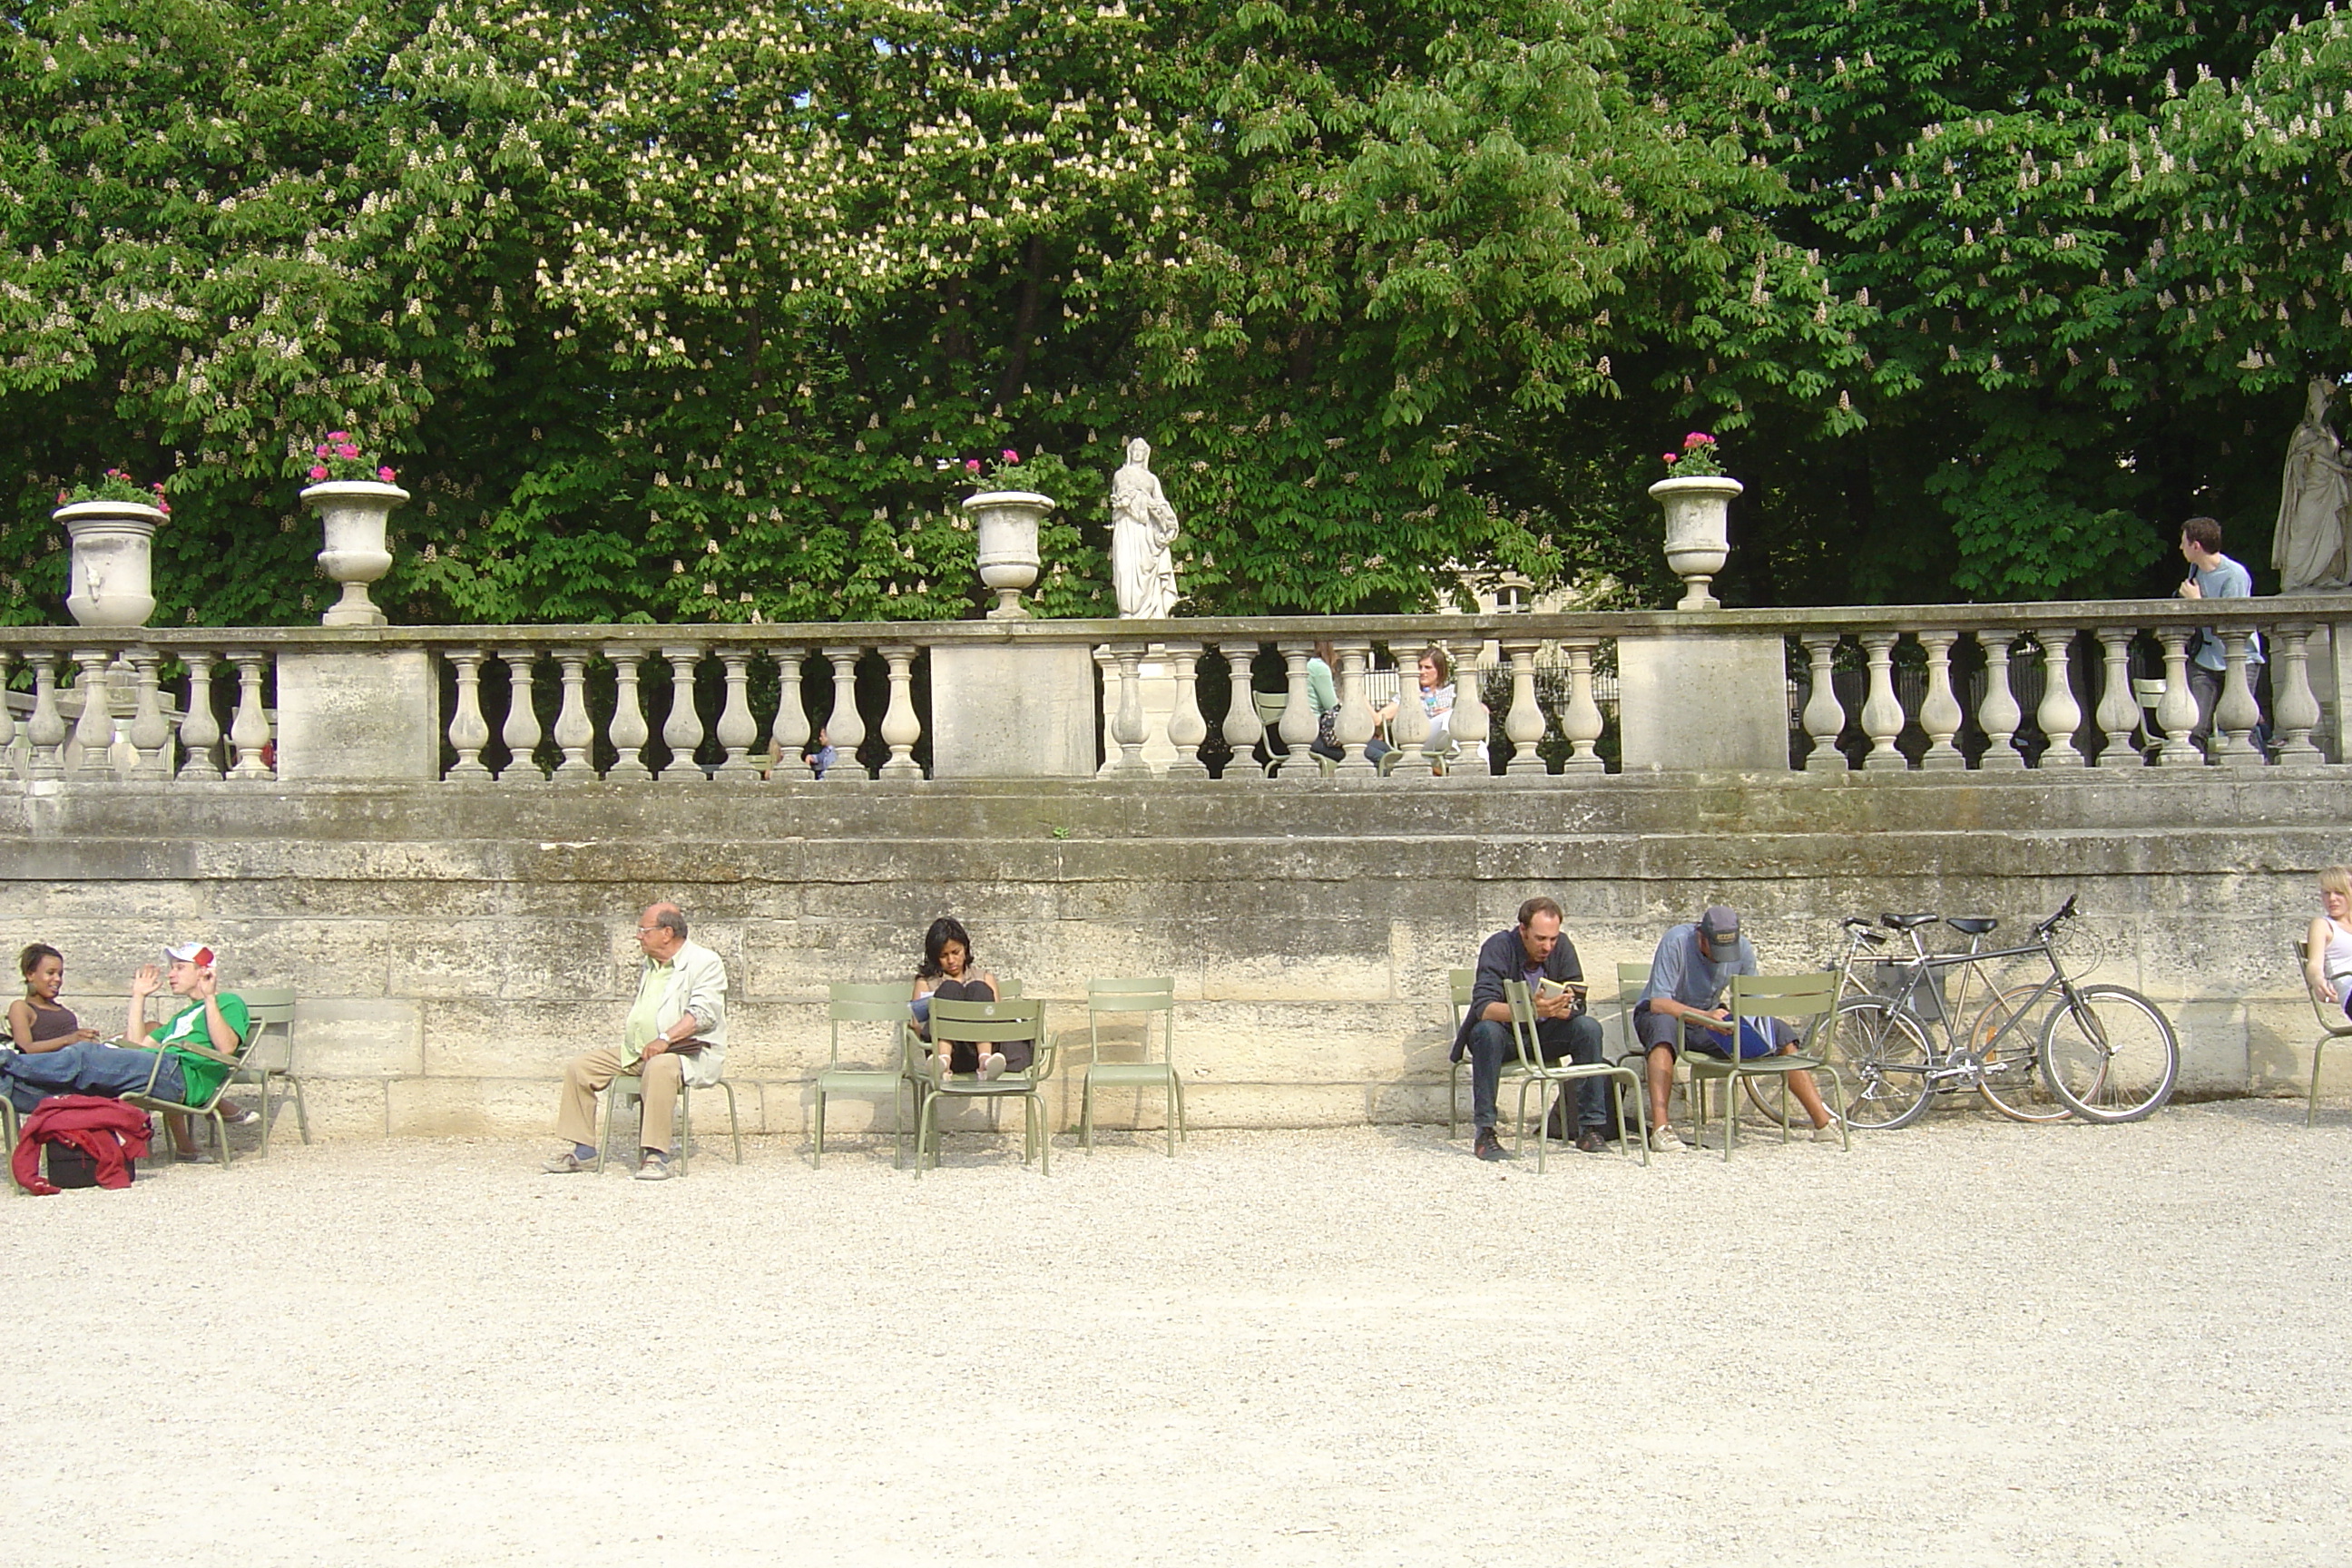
{"x": 676, "y": 1034}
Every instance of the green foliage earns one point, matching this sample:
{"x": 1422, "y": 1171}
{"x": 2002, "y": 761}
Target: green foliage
{"x": 683, "y": 312}
{"x": 115, "y": 485}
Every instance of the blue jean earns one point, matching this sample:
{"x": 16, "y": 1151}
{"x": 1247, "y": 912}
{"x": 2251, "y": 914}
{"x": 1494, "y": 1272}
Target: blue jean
{"x": 30, "y": 1077}
{"x": 1578, "y": 1038}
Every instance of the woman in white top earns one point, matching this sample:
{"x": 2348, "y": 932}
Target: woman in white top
{"x": 2327, "y": 966}
{"x": 1436, "y": 701}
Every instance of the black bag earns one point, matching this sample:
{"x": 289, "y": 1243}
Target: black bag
{"x": 70, "y": 1167}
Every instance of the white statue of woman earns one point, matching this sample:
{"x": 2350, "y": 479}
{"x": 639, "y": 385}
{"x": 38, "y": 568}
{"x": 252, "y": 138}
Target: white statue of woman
{"x": 2309, "y": 546}
{"x": 1142, "y": 526}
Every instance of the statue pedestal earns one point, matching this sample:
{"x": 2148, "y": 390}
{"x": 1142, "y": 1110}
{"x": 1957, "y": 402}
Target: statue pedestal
{"x": 1158, "y": 691}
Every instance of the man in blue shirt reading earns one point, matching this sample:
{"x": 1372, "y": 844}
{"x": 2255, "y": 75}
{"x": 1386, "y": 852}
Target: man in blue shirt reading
{"x": 1688, "y": 974}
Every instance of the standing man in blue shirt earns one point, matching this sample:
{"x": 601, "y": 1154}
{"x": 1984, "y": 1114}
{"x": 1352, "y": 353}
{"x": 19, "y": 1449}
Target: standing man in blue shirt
{"x": 1688, "y": 974}
{"x": 2213, "y": 575}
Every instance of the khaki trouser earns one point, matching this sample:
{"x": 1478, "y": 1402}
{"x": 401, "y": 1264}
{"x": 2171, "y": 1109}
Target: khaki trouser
{"x": 585, "y": 1076}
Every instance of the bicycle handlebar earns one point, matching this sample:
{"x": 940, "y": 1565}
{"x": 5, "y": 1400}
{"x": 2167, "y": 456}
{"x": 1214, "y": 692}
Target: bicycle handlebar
{"x": 2065, "y": 913}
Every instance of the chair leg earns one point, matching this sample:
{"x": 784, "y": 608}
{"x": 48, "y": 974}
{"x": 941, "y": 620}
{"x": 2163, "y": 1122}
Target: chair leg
{"x": 1731, "y": 1114}
{"x": 2311, "y": 1106}
{"x": 220, "y": 1134}
{"x": 685, "y": 1125}
{"x": 926, "y": 1130}
{"x": 1086, "y": 1114}
{"x": 1184, "y": 1131}
{"x": 301, "y": 1108}
{"x": 734, "y": 1126}
{"x": 1453, "y": 1102}
{"x": 604, "y": 1128}
{"x": 819, "y": 1163}
{"x": 266, "y": 1116}
{"x": 1168, "y": 1111}
{"x": 1045, "y": 1138}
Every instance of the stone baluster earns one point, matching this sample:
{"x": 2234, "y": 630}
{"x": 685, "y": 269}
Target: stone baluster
{"x": 901, "y": 726}
{"x": 2117, "y": 713}
{"x": 1187, "y": 731}
{"x": 1299, "y": 723}
{"x": 1580, "y": 721}
{"x": 844, "y": 730}
{"x": 574, "y": 732}
{"x": 2000, "y": 715}
{"x": 46, "y": 731}
{"x": 249, "y": 730}
{"x": 1882, "y": 712}
{"x": 521, "y": 732}
{"x": 630, "y": 732}
{"x": 791, "y": 727}
{"x": 2236, "y": 714}
{"x": 94, "y": 732}
{"x": 468, "y": 733}
{"x": 200, "y": 731}
{"x": 1411, "y": 725}
{"x": 2060, "y": 715}
{"x": 1244, "y": 728}
{"x": 1127, "y": 726}
{"x": 1940, "y": 710}
{"x": 682, "y": 730}
{"x": 1824, "y": 715}
{"x": 151, "y": 733}
{"x": 2176, "y": 711}
{"x": 1523, "y": 726}
{"x": 2296, "y": 708}
{"x": 1355, "y": 726}
{"x": 1470, "y": 724}
{"x": 737, "y": 731}
{"x": 9, "y": 766}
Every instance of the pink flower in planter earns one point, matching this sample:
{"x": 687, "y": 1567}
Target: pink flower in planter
{"x": 1010, "y": 456}
{"x": 1672, "y": 456}
{"x": 385, "y": 474}
{"x": 318, "y": 471}
{"x": 971, "y": 465}
{"x": 1698, "y": 438}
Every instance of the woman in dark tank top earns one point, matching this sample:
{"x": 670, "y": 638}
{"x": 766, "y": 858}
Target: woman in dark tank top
{"x": 36, "y": 1021}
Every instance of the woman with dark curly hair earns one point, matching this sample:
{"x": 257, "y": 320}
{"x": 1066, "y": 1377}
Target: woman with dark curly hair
{"x": 947, "y": 975}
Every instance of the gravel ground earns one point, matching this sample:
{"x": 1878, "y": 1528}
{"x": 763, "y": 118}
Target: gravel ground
{"x": 1964, "y": 1343}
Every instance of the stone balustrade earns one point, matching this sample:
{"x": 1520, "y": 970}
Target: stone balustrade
{"x": 1874, "y": 690}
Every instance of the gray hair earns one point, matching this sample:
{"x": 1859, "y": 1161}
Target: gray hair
{"x": 670, "y": 918}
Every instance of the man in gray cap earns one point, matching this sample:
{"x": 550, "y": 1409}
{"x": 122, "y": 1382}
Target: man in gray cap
{"x": 1694, "y": 964}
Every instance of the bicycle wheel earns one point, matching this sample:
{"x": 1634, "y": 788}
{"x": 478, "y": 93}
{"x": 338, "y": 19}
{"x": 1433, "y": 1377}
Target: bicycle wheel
{"x": 1764, "y": 1098}
{"x": 1883, "y": 1056}
{"x": 2111, "y": 1057}
{"x": 2012, "y": 1082}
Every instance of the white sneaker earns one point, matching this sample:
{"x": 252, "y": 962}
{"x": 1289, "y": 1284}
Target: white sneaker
{"x": 1827, "y": 1133}
{"x": 1667, "y": 1141}
{"x": 654, "y": 1169}
{"x": 991, "y": 1065}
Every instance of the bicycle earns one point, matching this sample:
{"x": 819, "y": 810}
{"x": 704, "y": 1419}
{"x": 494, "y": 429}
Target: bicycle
{"x": 2104, "y": 1053}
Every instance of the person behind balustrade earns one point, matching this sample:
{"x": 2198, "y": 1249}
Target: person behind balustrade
{"x": 1536, "y": 952}
{"x": 2213, "y": 575}
{"x": 1688, "y": 972}
{"x": 675, "y": 1035}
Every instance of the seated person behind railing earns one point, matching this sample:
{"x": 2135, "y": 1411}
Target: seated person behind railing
{"x": 1533, "y": 951}
{"x": 36, "y": 1021}
{"x": 2327, "y": 950}
{"x": 193, "y": 1052}
{"x": 676, "y": 1032}
{"x": 946, "y": 975}
{"x": 1688, "y": 974}
{"x": 1436, "y": 701}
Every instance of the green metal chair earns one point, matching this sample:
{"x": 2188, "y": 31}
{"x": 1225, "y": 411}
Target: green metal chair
{"x": 2333, "y": 1026}
{"x": 1762, "y": 997}
{"x": 269, "y": 1059}
{"x": 985, "y": 1024}
{"x": 885, "y": 1005}
{"x": 1532, "y": 1069}
{"x": 1632, "y": 980}
{"x": 1458, "y": 983}
{"x": 1141, "y": 998}
{"x": 630, "y": 1084}
{"x": 207, "y": 1110}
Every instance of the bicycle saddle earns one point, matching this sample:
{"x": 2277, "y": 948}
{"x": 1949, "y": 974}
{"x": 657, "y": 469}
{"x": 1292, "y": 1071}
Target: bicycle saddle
{"x": 1905, "y": 922}
{"x": 1972, "y": 925}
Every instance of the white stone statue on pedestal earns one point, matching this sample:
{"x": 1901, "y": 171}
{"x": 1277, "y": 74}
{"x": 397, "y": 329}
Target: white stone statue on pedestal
{"x": 2310, "y": 545}
{"x": 1142, "y": 526}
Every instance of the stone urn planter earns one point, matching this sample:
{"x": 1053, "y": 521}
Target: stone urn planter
{"x": 1007, "y": 522}
{"x": 113, "y": 577}
{"x": 353, "y": 512}
{"x": 1698, "y": 544}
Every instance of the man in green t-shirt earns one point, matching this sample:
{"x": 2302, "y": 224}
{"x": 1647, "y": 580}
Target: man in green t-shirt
{"x": 194, "y": 1050}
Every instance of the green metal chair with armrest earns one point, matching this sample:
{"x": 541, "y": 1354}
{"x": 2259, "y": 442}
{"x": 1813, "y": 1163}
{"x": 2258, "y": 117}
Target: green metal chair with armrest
{"x": 1458, "y": 984}
{"x": 982, "y": 1023}
{"x": 1761, "y": 997}
{"x": 1141, "y": 998}
{"x": 207, "y": 1107}
{"x": 1532, "y": 1069}
{"x": 885, "y": 1005}
{"x": 630, "y": 1084}
{"x": 2333, "y": 1026}
{"x": 269, "y": 1057}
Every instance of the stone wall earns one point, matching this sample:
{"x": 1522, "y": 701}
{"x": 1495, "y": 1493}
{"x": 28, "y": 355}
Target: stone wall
{"x": 453, "y": 943}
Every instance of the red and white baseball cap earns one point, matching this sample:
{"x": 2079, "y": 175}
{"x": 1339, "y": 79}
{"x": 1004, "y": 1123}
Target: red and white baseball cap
{"x": 193, "y": 952}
